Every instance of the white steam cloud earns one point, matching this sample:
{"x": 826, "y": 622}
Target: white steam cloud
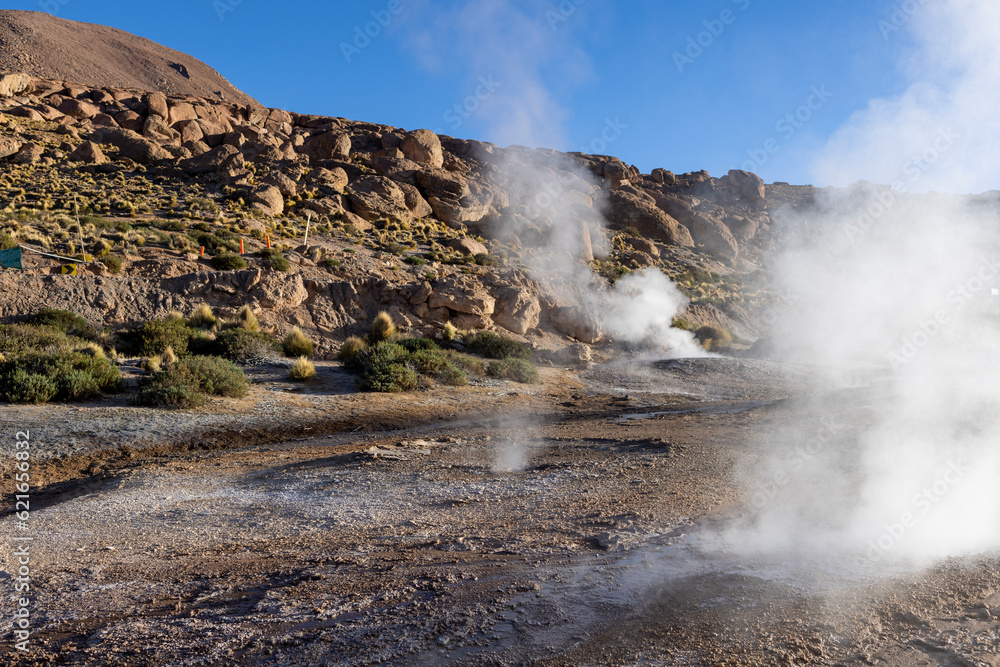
{"x": 556, "y": 204}
{"x": 897, "y": 292}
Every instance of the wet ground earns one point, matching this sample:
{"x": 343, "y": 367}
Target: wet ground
{"x": 582, "y": 528}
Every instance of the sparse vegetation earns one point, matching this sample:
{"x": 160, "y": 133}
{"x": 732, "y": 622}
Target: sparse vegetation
{"x": 69, "y": 323}
{"x": 383, "y": 328}
{"x": 715, "y": 339}
{"x": 188, "y": 383}
{"x": 202, "y": 317}
{"x": 494, "y": 346}
{"x": 228, "y": 261}
{"x": 297, "y": 344}
{"x": 114, "y": 263}
{"x": 302, "y": 370}
{"x": 516, "y": 370}
{"x": 243, "y": 345}
{"x": 272, "y": 258}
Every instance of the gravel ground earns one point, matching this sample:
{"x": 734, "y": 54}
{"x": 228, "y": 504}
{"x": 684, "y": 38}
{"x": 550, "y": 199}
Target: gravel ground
{"x": 565, "y": 523}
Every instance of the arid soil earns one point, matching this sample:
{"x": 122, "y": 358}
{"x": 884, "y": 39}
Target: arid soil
{"x": 564, "y": 523}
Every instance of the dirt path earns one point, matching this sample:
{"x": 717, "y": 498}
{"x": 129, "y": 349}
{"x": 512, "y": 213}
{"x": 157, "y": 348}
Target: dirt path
{"x": 569, "y": 523}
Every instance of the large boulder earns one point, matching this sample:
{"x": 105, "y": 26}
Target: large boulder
{"x": 156, "y": 104}
{"x": 468, "y": 246}
{"x": 14, "y": 84}
{"x": 516, "y": 310}
{"x": 377, "y": 197}
{"x": 454, "y": 200}
{"x": 415, "y": 201}
{"x": 581, "y": 323}
{"x": 78, "y": 109}
{"x": 131, "y": 145}
{"x": 423, "y": 146}
{"x": 268, "y": 199}
{"x": 744, "y": 186}
{"x": 212, "y": 161}
{"x": 471, "y": 299}
{"x": 180, "y": 112}
{"x": 89, "y": 153}
{"x": 9, "y": 146}
{"x": 328, "y": 146}
{"x": 626, "y": 209}
{"x": 710, "y": 232}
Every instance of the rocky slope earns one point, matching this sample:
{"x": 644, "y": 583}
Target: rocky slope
{"x": 433, "y": 229}
{"x": 40, "y": 44}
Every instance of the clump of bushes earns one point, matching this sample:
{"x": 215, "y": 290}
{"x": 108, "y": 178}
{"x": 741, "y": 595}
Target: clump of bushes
{"x": 516, "y": 370}
{"x": 188, "y": 382}
{"x": 65, "y": 374}
{"x": 296, "y": 344}
{"x": 228, "y": 261}
{"x": 273, "y": 258}
{"x": 115, "y": 263}
{"x": 713, "y": 338}
{"x": 494, "y": 346}
{"x": 152, "y": 338}
{"x": 69, "y": 323}
{"x": 243, "y": 345}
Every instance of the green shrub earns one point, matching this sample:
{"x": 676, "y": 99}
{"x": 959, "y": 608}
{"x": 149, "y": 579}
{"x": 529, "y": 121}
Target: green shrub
{"x": 351, "y": 347}
{"x": 331, "y": 262}
{"x": 152, "y": 338}
{"x": 489, "y": 344}
{"x": 214, "y": 245}
{"x": 296, "y": 344}
{"x": 65, "y": 375}
{"x": 434, "y": 364}
{"x": 69, "y": 323}
{"x": 484, "y": 259}
{"x": 187, "y": 383}
{"x": 242, "y": 345}
{"x": 228, "y": 261}
{"x": 417, "y": 344}
{"x": 713, "y": 338}
{"x": 681, "y": 323}
{"x": 7, "y": 241}
{"x": 273, "y": 258}
{"x": 415, "y": 261}
{"x": 390, "y": 378}
{"x": 21, "y": 386}
{"x": 517, "y": 370}
{"x": 383, "y": 353}
{"x": 115, "y": 263}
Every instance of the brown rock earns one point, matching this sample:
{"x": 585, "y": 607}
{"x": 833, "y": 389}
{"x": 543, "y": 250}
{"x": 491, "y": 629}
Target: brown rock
{"x": 190, "y": 131}
{"x": 276, "y": 289}
{"x": 628, "y": 210}
{"x": 577, "y": 322}
{"x": 103, "y": 120}
{"x": 335, "y": 179}
{"x": 157, "y": 129}
{"x": 30, "y": 153}
{"x": 14, "y": 84}
{"x": 664, "y": 177}
{"x": 709, "y": 232}
{"x": 377, "y": 197}
{"x": 414, "y": 200}
{"x": 468, "y": 246}
{"x": 745, "y": 186}
{"x": 212, "y": 161}
{"x": 89, "y": 152}
{"x": 156, "y": 104}
{"x": 328, "y": 146}
{"x": 130, "y": 120}
{"x": 472, "y": 299}
{"x": 9, "y": 145}
{"x": 517, "y": 309}
{"x": 643, "y": 245}
{"x": 79, "y": 109}
{"x": 423, "y": 146}
{"x": 26, "y": 112}
{"x": 422, "y": 294}
{"x": 268, "y": 198}
{"x": 326, "y": 206}
{"x": 130, "y": 144}
{"x": 180, "y": 112}
{"x": 285, "y": 185}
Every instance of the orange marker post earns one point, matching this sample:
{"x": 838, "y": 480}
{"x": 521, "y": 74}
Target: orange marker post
{"x": 241, "y": 246}
{"x": 268, "y": 239}
{"x": 203, "y": 251}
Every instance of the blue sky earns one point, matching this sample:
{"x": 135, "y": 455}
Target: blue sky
{"x": 681, "y": 85}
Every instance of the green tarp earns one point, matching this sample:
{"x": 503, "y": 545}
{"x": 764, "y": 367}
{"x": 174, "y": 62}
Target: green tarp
{"x": 11, "y": 259}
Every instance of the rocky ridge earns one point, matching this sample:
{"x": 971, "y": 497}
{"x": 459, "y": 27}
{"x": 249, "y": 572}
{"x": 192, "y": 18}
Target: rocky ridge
{"x": 473, "y": 204}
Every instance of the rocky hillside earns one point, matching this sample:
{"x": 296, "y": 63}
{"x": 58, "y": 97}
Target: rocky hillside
{"x": 42, "y": 45}
{"x": 431, "y": 228}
